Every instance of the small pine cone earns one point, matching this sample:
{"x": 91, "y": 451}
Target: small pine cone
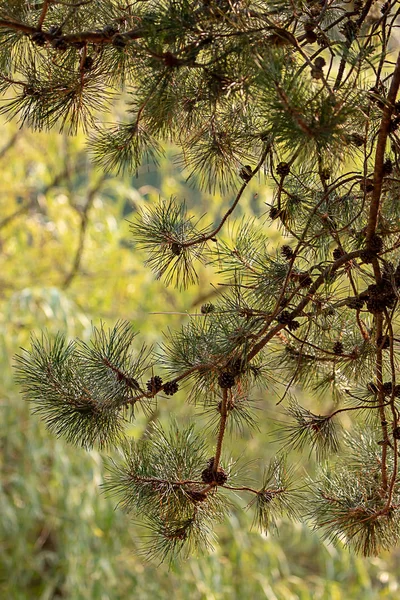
{"x": 375, "y": 244}
{"x": 236, "y": 366}
{"x": 118, "y": 41}
{"x": 387, "y": 388}
{"x": 110, "y": 31}
{"x": 325, "y": 174}
{"x": 387, "y": 167}
{"x": 375, "y": 304}
{"x": 357, "y": 140}
{"x": 246, "y": 173}
{"x": 207, "y": 308}
{"x": 319, "y": 62}
{"x": 394, "y": 124}
{"x": 287, "y": 252}
{"x": 337, "y": 253}
{"x": 283, "y": 169}
{"x": 310, "y": 25}
{"x": 311, "y": 37}
{"x": 305, "y": 280}
{"x": 338, "y": 348}
{"x": 207, "y": 475}
{"x": 367, "y": 185}
{"x": 396, "y": 433}
{"x": 274, "y": 212}
{"x": 226, "y": 380}
{"x": 59, "y": 44}
{"x": 170, "y": 388}
{"x": 367, "y": 256}
{"x": 154, "y": 384}
{"x": 88, "y": 63}
{"x": 197, "y": 496}
{"x": 397, "y": 276}
{"x": 221, "y": 476}
{"x": 371, "y": 387}
{"x": 293, "y": 325}
{"x": 284, "y": 317}
{"x": 176, "y": 248}
{"x": 356, "y": 303}
{"x": 383, "y": 342}
{"x": 284, "y": 302}
{"x": 38, "y": 38}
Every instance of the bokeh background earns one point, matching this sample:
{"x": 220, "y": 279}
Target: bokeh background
{"x": 67, "y": 261}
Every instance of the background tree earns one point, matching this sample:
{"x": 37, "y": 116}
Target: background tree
{"x": 305, "y": 93}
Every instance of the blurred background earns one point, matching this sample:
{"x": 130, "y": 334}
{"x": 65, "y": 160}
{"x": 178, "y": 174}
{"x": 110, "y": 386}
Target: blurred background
{"x": 67, "y": 261}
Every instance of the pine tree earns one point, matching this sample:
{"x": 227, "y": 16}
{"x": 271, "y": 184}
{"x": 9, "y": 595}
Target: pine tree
{"x": 304, "y": 94}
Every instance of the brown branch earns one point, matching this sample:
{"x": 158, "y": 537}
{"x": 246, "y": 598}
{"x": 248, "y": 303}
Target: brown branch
{"x": 268, "y": 335}
{"x": 380, "y": 151}
{"x": 82, "y": 232}
{"x": 203, "y": 238}
{"x": 82, "y": 37}
{"x": 43, "y": 14}
{"x": 222, "y": 426}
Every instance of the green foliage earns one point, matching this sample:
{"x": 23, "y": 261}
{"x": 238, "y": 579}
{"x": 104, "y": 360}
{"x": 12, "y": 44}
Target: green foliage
{"x": 304, "y": 94}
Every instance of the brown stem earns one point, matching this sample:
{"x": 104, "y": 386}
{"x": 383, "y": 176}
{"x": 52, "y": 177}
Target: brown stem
{"x": 82, "y": 233}
{"x": 43, "y": 14}
{"x": 379, "y": 381}
{"x": 222, "y": 426}
{"x": 380, "y": 151}
{"x": 203, "y": 238}
{"x": 268, "y": 335}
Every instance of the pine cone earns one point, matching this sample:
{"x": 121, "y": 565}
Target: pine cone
{"x": 274, "y": 213}
{"x": 197, "y": 496}
{"x": 293, "y": 325}
{"x": 375, "y": 244}
{"x": 38, "y": 38}
{"x": 236, "y": 366}
{"x": 305, "y": 280}
{"x": 154, "y": 384}
{"x": 387, "y": 167}
{"x": 375, "y": 304}
{"x": 207, "y": 308}
{"x": 118, "y": 41}
{"x": 88, "y": 63}
{"x": 176, "y": 248}
{"x": 337, "y": 253}
{"x": 287, "y": 252}
{"x": 246, "y": 173}
{"x": 170, "y": 388}
{"x": 284, "y": 317}
{"x": 396, "y": 433}
{"x": 226, "y": 380}
{"x": 356, "y": 303}
{"x": 209, "y": 476}
{"x": 311, "y": 37}
{"x": 283, "y": 169}
{"x": 383, "y": 342}
{"x": 338, "y": 348}
{"x": 59, "y": 44}
{"x": 319, "y": 62}
{"x": 387, "y": 388}
{"x": 357, "y": 140}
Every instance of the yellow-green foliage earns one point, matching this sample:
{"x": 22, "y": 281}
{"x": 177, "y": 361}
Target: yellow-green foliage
{"x": 60, "y": 537}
